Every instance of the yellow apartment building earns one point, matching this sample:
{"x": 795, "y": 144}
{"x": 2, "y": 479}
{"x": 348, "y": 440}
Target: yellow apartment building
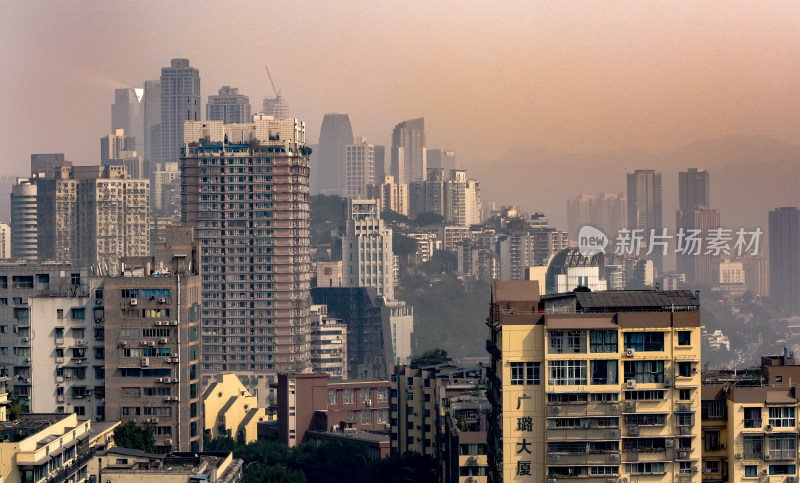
{"x": 231, "y": 410}
{"x": 594, "y": 386}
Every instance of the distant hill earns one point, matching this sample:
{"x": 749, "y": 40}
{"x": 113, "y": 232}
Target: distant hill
{"x": 749, "y": 176}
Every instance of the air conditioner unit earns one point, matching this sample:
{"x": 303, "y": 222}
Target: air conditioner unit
{"x": 633, "y": 430}
{"x": 26, "y": 339}
{"x": 630, "y": 352}
{"x": 98, "y": 301}
{"x": 81, "y": 342}
{"x": 174, "y": 322}
{"x": 163, "y": 340}
{"x": 176, "y": 359}
{"x": 614, "y": 458}
{"x": 631, "y": 384}
{"x": 134, "y": 302}
{"x": 684, "y": 407}
{"x": 27, "y": 359}
{"x": 79, "y": 361}
{"x": 791, "y": 479}
{"x": 147, "y": 420}
{"x": 739, "y": 456}
{"x": 158, "y": 322}
{"x": 686, "y": 430}
{"x": 68, "y": 376}
{"x": 615, "y": 407}
{"x": 472, "y": 460}
{"x": 124, "y": 343}
{"x": 611, "y": 480}
{"x": 159, "y": 379}
{"x": 368, "y": 403}
{"x": 694, "y": 370}
{"x": 695, "y": 469}
{"x": 154, "y": 420}
{"x": 765, "y": 471}
{"x": 60, "y": 399}
{"x": 151, "y": 344}
{"x": 551, "y": 480}
{"x": 174, "y": 380}
{"x": 669, "y": 443}
{"x": 145, "y": 361}
{"x": 767, "y": 458}
{"x": 555, "y": 458}
{"x": 667, "y": 382}
{"x": 768, "y": 427}
{"x": 683, "y": 455}
{"x": 142, "y": 342}
{"x": 162, "y": 300}
{"x": 556, "y": 409}
{"x": 630, "y": 405}
{"x": 625, "y": 480}
{"x": 168, "y": 442}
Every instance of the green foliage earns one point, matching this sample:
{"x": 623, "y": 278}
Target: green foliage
{"x": 326, "y": 213}
{"x": 581, "y": 288}
{"x": 428, "y": 218}
{"x": 429, "y": 358}
{"x": 402, "y": 245}
{"x": 441, "y": 262}
{"x": 391, "y": 216}
{"x": 15, "y": 408}
{"x": 330, "y": 462}
{"x": 129, "y": 435}
{"x": 448, "y": 313}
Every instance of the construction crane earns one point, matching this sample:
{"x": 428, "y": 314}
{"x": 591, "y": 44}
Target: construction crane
{"x": 277, "y": 92}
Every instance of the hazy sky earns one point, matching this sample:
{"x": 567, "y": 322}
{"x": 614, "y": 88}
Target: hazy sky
{"x": 487, "y": 76}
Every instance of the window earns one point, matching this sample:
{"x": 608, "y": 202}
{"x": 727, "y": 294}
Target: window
{"x": 751, "y": 471}
{"x": 685, "y": 467}
{"x": 711, "y": 440}
{"x": 366, "y": 417}
{"x": 565, "y": 373}
{"x": 651, "y": 395}
{"x": 646, "y": 419}
{"x": 567, "y": 342}
{"x": 526, "y": 373}
{"x": 383, "y": 394}
{"x": 782, "y": 447}
{"x": 685, "y": 419}
{"x": 331, "y": 396}
{"x": 684, "y": 337}
{"x": 753, "y": 447}
{"x": 782, "y": 469}
{"x": 365, "y": 394}
{"x": 603, "y": 341}
{"x": 130, "y": 293}
{"x": 752, "y": 417}
{"x": 685, "y": 394}
{"x": 60, "y": 314}
{"x": 685, "y": 369}
{"x": 644, "y": 468}
{"x": 644, "y": 371}
{"x": 604, "y": 397}
{"x": 76, "y": 278}
{"x": 645, "y": 341}
{"x": 781, "y": 417}
{"x": 567, "y": 398}
{"x": 604, "y": 372}
{"x": 348, "y": 396}
{"x": 712, "y": 466}
{"x": 714, "y": 410}
{"x": 79, "y": 314}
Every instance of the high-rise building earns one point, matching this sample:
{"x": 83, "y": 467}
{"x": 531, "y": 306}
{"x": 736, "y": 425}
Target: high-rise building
{"x": 410, "y": 164}
{"x": 117, "y": 149}
{"x": 93, "y": 215}
{"x": 694, "y": 190}
{"x": 127, "y": 113}
{"x": 591, "y": 384}
{"x": 401, "y": 321}
{"x": 151, "y": 151}
{"x": 5, "y": 240}
{"x": 180, "y": 101}
{"x": 380, "y": 162}
{"x": 277, "y": 107}
{"x": 328, "y": 343}
{"x": 24, "y": 215}
{"x": 48, "y": 163}
{"x": 360, "y": 159}
{"x": 444, "y": 159}
{"x": 229, "y": 106}
{"x": 695, "y": 213}
{"x": 390, "y": 195}
{"x": 330, "y": 165}
{"x": 367, "y": 257}
{"x": 255, "y": 248}
{"x": 644, "y": 210}
{"x": 784, "y": 258}
{"x": 606, "y": 212}
{"x": 153, "y": 337}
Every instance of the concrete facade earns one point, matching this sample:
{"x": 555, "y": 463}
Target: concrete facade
{"x": 367, "y": 257}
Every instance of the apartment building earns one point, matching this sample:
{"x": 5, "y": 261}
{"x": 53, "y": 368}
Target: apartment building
{"x": 246, "y": 192}
{"x": 20, "y": 281}
{"x": 328, "y": 343}
{"x": 229, "y": 409}
{"x": 309, "y": 402}
{"x": 152, "y": 343}
{"x": 123, "y": 465}
{"x": 594, "y": 386}
{"x": 367, "y": 257}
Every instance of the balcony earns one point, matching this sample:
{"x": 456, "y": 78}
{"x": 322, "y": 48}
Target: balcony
{"x": 753, "y": 423}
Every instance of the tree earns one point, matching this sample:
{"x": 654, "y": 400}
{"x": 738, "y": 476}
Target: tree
{"x": 430, "y": 358}
{"x": 428, "y": 218}
{"x": 129, "y": 435}
{"x": 326, "y": 212}
{"x": 391, "y": 216}
{"x": 441, "y": 261}
{"x": 15, "y": 408}
{"x": 403, "y": 246}
{"x": 581, "y": 288}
